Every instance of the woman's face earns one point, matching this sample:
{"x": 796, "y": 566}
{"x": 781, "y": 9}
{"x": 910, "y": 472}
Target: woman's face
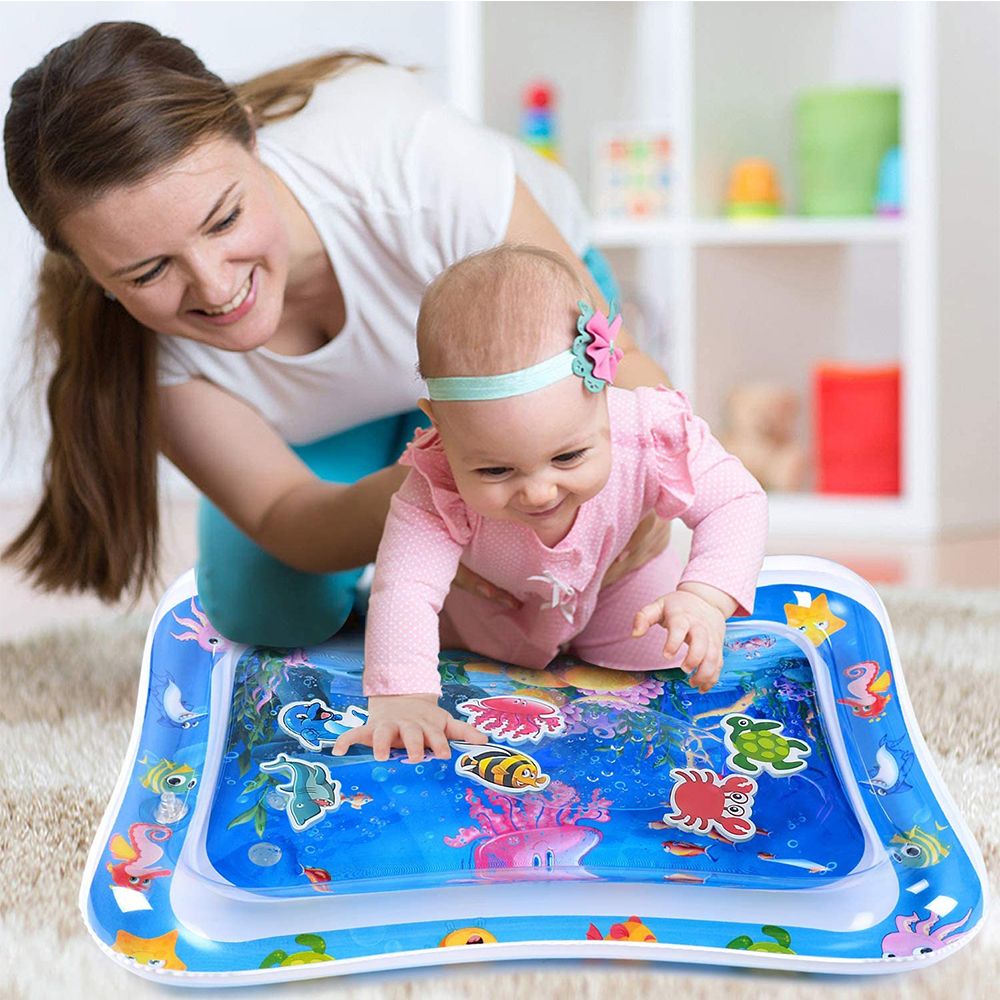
{"x": 197, "y": 250}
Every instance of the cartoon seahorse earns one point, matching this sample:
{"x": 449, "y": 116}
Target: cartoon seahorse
{"x": 137, "y": 855}
{"x": 868, "y": 689}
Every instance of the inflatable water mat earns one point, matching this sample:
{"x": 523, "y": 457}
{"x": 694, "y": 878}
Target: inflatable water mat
{"x": 792, "y": 817}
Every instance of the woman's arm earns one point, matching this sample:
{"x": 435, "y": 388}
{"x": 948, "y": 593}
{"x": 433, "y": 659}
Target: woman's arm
{"x": 529, "y": 224}
{"x": 243, "y": 466}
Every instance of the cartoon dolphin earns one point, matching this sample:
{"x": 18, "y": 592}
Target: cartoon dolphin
{"x": 315, "y": 725}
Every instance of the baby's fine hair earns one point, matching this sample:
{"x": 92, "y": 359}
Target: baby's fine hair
{"x": 498, "y": 311}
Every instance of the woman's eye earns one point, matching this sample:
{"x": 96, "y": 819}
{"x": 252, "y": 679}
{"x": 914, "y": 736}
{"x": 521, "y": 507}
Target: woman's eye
{"x": 149, "y": 275}
{"x": 228, "y": 221}
{"x": 570, "y": 456}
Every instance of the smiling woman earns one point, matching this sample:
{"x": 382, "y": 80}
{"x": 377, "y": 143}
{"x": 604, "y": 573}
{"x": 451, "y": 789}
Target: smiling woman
{"x": 233, "y": 278}
{"x": 188, "y": 272}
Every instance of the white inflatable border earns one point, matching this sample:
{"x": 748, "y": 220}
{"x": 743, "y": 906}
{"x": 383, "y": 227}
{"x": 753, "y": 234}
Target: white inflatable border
{"x": 806, "y": 572}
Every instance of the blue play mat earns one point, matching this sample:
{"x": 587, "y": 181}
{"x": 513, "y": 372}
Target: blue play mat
{"x": 790, "y": 818}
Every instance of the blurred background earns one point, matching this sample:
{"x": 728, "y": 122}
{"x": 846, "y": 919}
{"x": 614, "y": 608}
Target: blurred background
{"x": 801, "y": 201}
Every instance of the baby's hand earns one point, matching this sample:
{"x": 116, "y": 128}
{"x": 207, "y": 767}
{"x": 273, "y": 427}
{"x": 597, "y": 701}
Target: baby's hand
{"x": 699, "y": 619}
{"x": 413, "y": 721}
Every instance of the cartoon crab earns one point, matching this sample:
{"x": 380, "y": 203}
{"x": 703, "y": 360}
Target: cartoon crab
{"x": 704, "y": 801}
{"x": 514, "y": 719}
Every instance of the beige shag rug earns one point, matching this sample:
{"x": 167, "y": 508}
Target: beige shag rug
{"x": 66, "y": 712}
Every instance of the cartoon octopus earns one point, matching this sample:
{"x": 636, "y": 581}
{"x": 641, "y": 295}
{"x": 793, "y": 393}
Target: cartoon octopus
{"x": 514, "y": 718}
{"x": 913, "y": 939}
{"x": 704, "y": 801}
{"x": 202, "y": 631}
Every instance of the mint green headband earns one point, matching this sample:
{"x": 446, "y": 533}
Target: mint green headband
{"x": 593, "y": 357}
{"x": 502, "y": 386}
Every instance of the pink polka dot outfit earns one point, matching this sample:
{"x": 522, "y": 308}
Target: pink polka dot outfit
{"x": 663, "y": 458}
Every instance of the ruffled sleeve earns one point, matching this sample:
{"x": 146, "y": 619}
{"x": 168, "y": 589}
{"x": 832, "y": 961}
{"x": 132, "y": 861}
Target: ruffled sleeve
{"x": 670, "y": 430}
{"x": 696, "y": 479}
{"x": 432, "y": 478}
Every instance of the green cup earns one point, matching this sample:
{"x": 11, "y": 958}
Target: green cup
{"x": 841, "y": 137}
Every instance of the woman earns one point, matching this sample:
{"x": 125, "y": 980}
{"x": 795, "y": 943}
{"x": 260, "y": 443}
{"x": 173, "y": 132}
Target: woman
{"x": 232, "y": 277}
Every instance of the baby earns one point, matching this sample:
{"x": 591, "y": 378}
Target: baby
{"x": 535, "y": 475}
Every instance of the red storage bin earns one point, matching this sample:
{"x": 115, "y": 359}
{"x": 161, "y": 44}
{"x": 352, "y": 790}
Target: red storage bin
{"x": 856, "y": 432}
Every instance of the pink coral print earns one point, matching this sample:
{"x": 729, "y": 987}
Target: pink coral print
{"x": 704, "y": 801}
{"x": 602, "y": 349}
{"x": 537, "y": 836}
{"x": 201, "y": 631}
{"x": 514, "y": 719}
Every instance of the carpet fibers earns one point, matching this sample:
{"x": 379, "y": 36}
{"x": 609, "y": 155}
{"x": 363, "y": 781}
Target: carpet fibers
{"x": 65, "y": 719}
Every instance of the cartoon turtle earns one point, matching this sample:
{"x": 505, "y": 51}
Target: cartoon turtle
{"x": 316, "y": 953}
{"x": 757, "y": 745}
{"x": 779, "y": 946}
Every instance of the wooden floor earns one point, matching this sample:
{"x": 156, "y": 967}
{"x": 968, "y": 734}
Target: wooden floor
{"x": 956, "y": 562}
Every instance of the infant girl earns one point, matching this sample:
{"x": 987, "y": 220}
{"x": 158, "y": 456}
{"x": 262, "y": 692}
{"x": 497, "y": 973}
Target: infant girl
{"x": 535, "y": 474}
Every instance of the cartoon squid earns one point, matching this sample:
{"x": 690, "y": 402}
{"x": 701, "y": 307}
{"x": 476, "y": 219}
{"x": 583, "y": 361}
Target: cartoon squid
{"x": 868, "y": 689}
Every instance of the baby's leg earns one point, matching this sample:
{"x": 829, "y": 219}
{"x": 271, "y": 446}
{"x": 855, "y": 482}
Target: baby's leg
{"x": 607, "y": 640}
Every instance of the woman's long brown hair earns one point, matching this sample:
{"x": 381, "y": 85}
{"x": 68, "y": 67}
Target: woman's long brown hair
{"x": 108, "y": 109}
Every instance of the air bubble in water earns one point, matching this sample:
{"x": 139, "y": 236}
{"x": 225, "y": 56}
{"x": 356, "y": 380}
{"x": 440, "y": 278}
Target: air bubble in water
{"x": 264, "y": 855}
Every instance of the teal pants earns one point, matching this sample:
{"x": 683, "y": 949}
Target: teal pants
{"x": 250, "y": 596}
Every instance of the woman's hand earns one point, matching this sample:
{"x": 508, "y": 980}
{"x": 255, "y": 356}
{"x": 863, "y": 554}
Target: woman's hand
{"x": 694, "y": 614}
{"x": 412, "y": 721}
{"x": 466, "y": 579}
{"x": 648, "y": 540}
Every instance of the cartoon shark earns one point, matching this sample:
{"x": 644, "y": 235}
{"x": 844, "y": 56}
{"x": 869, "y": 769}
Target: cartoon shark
{"x": 310, "y": 792}
{"x": 892, "y": 764}
{"x": 315, "y": 725}
{"x": 174, "y": 711}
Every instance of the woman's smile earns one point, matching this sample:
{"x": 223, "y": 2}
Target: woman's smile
{"x": 237, "y": 307}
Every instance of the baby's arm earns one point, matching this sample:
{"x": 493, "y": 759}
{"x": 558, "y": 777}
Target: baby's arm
{"x": 413, "y": 570}
{"x": 695, "y": 613}
{"x": 728, "y": 517}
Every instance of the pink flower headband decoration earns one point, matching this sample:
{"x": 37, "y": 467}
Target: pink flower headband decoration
{"x": 595, "y": 353}
{"x": 593, "y": 357}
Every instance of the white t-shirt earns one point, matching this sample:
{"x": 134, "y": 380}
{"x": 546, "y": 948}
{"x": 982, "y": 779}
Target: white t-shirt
{"x": 399, "y": 186}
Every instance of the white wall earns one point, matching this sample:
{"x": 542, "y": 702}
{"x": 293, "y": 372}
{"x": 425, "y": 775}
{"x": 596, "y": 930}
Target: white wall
{"x": 235, "y": 40}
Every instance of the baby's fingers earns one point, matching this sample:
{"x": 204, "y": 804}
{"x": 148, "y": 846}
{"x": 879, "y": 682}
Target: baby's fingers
{"x": 697, "y": 639}
{"x": 412, "y": 735}
{"x": 651, "y": 614}
{"x": 677, "y": 627}
{"x": 455, "y": 729}
{"x": 435, "y": 740}
{"x": 360, "y": 734}
{"x": 382, "y": 740}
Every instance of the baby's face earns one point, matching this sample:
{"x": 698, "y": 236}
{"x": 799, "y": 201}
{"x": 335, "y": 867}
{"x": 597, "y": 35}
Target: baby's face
{"x": 533, "y": 459}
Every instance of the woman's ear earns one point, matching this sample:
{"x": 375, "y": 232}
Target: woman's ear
{"x": 424, "y": 405}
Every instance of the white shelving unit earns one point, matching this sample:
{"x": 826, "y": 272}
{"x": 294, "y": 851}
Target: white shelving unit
{"x": 744, "y": 301}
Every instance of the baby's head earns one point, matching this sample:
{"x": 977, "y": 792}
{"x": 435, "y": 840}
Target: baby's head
{"x": 536, "y": 455}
